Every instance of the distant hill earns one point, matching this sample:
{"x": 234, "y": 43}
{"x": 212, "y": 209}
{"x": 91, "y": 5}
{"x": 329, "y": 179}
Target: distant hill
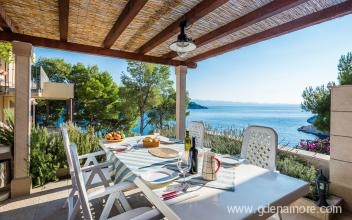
{"x": 193, "y": 105}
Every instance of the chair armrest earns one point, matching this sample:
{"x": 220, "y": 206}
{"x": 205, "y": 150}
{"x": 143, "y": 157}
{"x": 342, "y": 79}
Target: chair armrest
{"x": 97, "y": 166}
{"x": 94, "y": 154}
{"x": 111, "y": 189}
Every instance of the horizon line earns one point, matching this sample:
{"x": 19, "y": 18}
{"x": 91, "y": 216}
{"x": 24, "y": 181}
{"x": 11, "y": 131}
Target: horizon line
{"x": 239, "y": 102}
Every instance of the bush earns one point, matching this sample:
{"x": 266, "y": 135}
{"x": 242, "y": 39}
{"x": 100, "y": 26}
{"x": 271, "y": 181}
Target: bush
{"x": 298, "y": 168}
{"x": 319, "y": 145}
{"x": 222, "y": 144}
{"x": 43, "y": 164}
{"x": 48, "y": 153}
{"x": 168, "y": 131}
{"x": 86, "y": 141}
{"x": 7, "y": 133}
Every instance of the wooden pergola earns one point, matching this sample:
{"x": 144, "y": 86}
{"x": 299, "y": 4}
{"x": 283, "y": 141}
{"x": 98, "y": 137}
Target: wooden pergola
{"x": 142, "y": 30}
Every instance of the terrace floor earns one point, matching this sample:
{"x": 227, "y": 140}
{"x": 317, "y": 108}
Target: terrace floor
{"x": 46, "y": 203}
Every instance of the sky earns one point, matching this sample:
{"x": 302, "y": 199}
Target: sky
{"x": 272, "y": 71}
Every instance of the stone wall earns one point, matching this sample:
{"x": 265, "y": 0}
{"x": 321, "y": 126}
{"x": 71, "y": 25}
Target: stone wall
{"x": 341, "y": 144}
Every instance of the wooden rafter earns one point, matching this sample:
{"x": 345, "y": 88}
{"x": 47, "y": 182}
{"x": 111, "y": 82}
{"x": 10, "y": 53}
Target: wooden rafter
{"x": 62, "y": 45}
{"x": 303, "y": 22}
{"x": 192, "y": 16}
{"x": 63, "y": 18}
{"x": 246, "y": 20}
{"x": 5, "y": 22}
{"x": 129, "y": 12}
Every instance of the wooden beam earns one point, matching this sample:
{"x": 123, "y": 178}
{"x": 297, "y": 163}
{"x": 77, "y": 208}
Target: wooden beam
{"x": 246, "y": 20}
{"x": 61, "y": 45}
{"x": 63, "y": 18}
{"x": 303, "y": 22}
{"x": 5, "y": 22}
{"x": 127, "y": 15}
{"x": 196, "y": 13}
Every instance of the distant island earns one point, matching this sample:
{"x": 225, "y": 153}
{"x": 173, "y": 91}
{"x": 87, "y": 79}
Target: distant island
{"x": 193, "y": 105}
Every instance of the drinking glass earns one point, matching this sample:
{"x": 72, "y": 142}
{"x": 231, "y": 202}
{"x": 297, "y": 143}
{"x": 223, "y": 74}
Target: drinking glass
{"x": 156, "y": 132}
{"x": 184, "y": 164}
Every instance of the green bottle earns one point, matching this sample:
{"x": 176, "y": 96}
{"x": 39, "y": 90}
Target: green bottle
{"x": 188, "y": 142}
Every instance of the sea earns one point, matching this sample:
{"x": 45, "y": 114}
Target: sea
{"x": 284, "y": 118}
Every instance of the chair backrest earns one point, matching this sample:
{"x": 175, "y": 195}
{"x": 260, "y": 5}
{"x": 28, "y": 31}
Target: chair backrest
{"x": 66, "y": 139}
{"x": 196, "y": 129}
{"x": 259, "y": 146}
{"x": 82, "y": 191}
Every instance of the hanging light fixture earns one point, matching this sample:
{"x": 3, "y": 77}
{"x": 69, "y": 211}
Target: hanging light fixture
{"x": 184, "y": 44}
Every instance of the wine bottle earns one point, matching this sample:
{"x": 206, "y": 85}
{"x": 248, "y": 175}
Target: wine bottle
{"x": 193, "y": 156}
{"x": 187, "y": 142}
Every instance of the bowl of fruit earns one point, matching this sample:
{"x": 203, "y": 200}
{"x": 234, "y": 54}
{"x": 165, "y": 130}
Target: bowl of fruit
{"x": 115, "y": 136}
{"x": 150, "y": 142}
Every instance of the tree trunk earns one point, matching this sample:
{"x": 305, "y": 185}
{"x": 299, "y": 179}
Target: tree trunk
{"x": 160, "y": 121}
{"x": 141, "y": 128}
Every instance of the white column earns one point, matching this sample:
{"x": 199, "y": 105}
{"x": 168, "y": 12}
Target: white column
{"x": 180, "y": 72}
{"x": 21, "y": 183}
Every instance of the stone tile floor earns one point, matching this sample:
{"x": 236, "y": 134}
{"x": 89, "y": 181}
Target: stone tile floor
{"x": 46, "y": 203}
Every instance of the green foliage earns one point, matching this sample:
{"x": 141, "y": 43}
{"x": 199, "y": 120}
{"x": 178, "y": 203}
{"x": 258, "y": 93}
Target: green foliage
{"x": 228, "y": 141}
{"x": 298, "y": 168}
{"x": 7, "y": 130}
{"x": 345, "y": 69}
{"x": 48, "y": 153}
{"x": 168, "y": 131}
{"x": 317, "y": 101}
{"x": 6, "y": 51}
{"x": 43, "y": 165}
{"x": 86, "y": 141}
{"x": 96, "y": 95}
{"x": 161, "y": 114}
{"x": 143, "y": 87}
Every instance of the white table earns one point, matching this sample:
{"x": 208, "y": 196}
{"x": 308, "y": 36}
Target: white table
{"x": 255, "y": 188}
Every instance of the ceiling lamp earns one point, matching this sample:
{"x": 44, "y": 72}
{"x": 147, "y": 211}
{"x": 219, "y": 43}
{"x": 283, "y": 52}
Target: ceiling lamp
{"x": 184, "y": 44}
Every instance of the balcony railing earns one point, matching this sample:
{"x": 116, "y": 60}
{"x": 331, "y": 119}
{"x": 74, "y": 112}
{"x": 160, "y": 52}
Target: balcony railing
{"x": 7, "y": 82}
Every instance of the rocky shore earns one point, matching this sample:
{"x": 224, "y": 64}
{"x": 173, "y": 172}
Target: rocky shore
{"x": 310, "y": 129}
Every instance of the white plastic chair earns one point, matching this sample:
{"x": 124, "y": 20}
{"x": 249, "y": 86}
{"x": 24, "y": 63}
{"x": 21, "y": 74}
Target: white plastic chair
{"x": 259, "y": 146}
{"x": 196, "y": 129}
{"x": 94, "y": 174}
{"x": 112, "y": 192}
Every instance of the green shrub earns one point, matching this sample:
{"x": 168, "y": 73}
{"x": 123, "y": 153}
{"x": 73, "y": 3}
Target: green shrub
{"x": 223, "y": 141}
{"x": 86, "y": 141}
{"x": 296, "y": 167}
{"x": 222, "y": 144}
{"x": 7, "y": 133}
{"x": 48, "y": 153}
{"x": 168, "y": 131}
{"x": 43, "y": 164}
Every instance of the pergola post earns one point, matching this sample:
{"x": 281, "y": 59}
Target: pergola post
{"x": 341, "y": 143}
{"x": 180, "y": 72}
{"x": 21, "y": 183}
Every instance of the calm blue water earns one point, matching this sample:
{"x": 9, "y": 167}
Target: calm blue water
{"x": 285, "y": 119}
